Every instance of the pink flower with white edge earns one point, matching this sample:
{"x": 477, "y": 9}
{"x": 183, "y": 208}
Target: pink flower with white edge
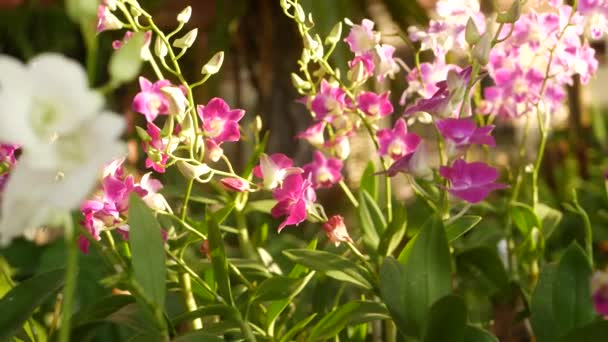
{"x": 471, "y": 182}
{"x": 335, "y": 229}
{"x": 362, "y": 38}
{"x": 596, "y": 16}
{"x": 106, "y": 20}
{"x": 235, "y": 184}
{"x": 397, "y": 142}
{"x": 150, "y": 101}
{"x": 294, "y": 198}
{"x": 461, "y": 133}
{"x": 314, "y": 134}
{"x": 275, "y": 169}
{"x": 323, "y": 172}
{"x": 213, "y": 151}
{"x": 330, "y": 101}
{"x": 220, "y": 123}
{"x": 155, "y": 149}
{"x": 386, "y": 66}
{"x": 375, "y": 105}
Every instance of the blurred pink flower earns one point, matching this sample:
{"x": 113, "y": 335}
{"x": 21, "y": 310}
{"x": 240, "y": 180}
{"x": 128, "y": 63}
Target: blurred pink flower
{"x": 274, "y": 169}
{"x": 362, "y": 38}
{"x": 329, "y": 102}
{"x": 397, "y": 142}
{"x": 294, "y": 198}
{"x": 323, "y": 172}
{"x": 375, "y": 105}
{"x": 150, "y": 101}
{"x": 471, "y": 182}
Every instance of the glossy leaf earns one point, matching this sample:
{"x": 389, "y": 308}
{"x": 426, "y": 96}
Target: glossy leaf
{"x": 297, "y": 328}
{"x": 460, "y": 226}
{"x": 541, "y": 306}
{"x": 148, "y": 255}
{"x": 446, "y": 320}
{"x": 351, "y": 313}
{"x": 218, "y": 259}
{"x": 524, "y": 218}
{"x": 278, "y": 287}
{"x": 394, "y": 233}
{"x": 549, "y": 218}
{"x": 21, "y": 301}
{"x": 596, "y": 331}
{"x": 335, "y": 266}
{"x": 483, "y": 265}
{"x": 369, "y": 181}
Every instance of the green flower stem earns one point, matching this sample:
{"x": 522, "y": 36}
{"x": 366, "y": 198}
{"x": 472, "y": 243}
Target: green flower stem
{"x": 587, "y": 226}
{"x": 349, "y": 194}
{"x": 243, "y": 236}
{"x": 69, "y": 289}
{"x": 189, "y": 300}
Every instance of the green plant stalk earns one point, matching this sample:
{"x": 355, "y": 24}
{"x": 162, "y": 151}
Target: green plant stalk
{"x": 69, "y": 289}
{"x": 243, "y": 236}
{"x": 587, "y": 227}
{"x": 349, "y": 194}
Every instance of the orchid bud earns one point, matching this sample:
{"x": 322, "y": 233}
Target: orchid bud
{"x": 143, "y": 134}
{"x": 214, "y": 64}
{"x": 235, "y": 184}
{"x": 135, "y": 12}
{"x": 177, "y": 101}
{"x": 481, "y": 50}
{"x": 187, "y": 40}
{"x": 299, "y": 83}
{"x": 309, "y": 43}
{"x": 357, "y": 73}
{"x": 258, "y": 123}
{"x": 212, "y": 150}
{"x": 471, "y": 32}
{"x": 335, "y": 229}
{"x": 511, "y": 15}
{"x": 107, "y": 20}
{"x": 160, "y": 48}
{"x": 334, "y": 35}
{"x": 299, "y": 12}
{"x": 184, "y": 16}
{"x": 187, "y": 129}
{"x": 285, "y": 5}
{"x": 192, "y": 171}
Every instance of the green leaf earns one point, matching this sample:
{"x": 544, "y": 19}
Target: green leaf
{"x": 218, "y": 259}
{"x": 524, "y": 218}
{"x": 148, "y": 254}
{"x": 263, "y": 206}
{"x": 395, "y": 231}
{"x": 572, "y": 305}
{"x": 222, "y": 310}
{"x": 21, "y": 301}
{"x": 222, "y": 214}
{"x": 297, "y": 328}
{"x": 198, "y": 336}
{"x": 549, "y": 218}
{"x": 335, "y": 266}
{"x": 483, "y": 265}
{"x": 596, "y": 331}
{"x": 369, "y": 181}
{"x": 428, "y": 273}
{"x": 278, "y": 287}
{"x": 475, "y": 334}
{"x": 371, "y": 219}
{"x": 101, "y": 309}
{"x": 392, "y": 283}
{"x": 351, "y": 313}
{"x": 541, "y": 306}
{"x": 447, "y": 319}
{"x": 126, "y": 62}
{"x": 460, "y": 226}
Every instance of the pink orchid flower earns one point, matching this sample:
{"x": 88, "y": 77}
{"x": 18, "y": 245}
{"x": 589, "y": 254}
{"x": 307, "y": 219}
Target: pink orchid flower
{"x": 375, "y": 105}
{"x": 150, "y": 101}
{"x": 294, "y": 198}
{"x": 471, "y": 182}
{"x": 275, "y": 169}
{"x": 220, "y": 123}
{"x": 397, "y": 142}
{"x": 323, "y": 172}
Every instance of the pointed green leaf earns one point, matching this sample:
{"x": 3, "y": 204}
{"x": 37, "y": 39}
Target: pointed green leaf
{"x": 148, "y": 254}
{"x": 549, "y": 218}
{"x": 297, "y": 328}
{"x": 278, "y": 287}
{"x": 335, "y": 266}
{"x": 351, "y": 313}
{"x": 218, "y": 259}
{"x": 524, "y": 218}
{"x": 198, "y": 336}
{"x": 21, "y": 301}
{"x": 596, "y": 331}
{"x": 447, "y": 319}
{"x": 460, "y": 226}
{"x": 394, "y": 233}
{"x": 541, "y": 306}
{"x": 369, "y": 181}
{"x": 483, "y": 265}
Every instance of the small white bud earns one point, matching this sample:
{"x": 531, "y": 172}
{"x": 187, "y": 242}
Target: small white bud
{"x": 187, "y": 40}
{"x": 184, "y": 16}
{"x": 334, "y": 35}
{"x": 214, "y": 64}
{"x": 192, "y": 171}
{"x": 298, "y": 82}
{"x": 160, "y": 48}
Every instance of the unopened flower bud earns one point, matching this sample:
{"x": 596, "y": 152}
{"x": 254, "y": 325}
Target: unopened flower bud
{"x": 214, "y": 64}
{"x": 481, "y": 51}
{"x": 213, "y": 151}
{"x": 184, "y": 16}
{"x": 235, "y": 184}
{"x": 135, "y": 12}
{"x": 309, "y": 43}
{"x": 160, "y": 48}
{"x": 106, "y": 20}
{"x": 177, "y": 101}
{"x": 357, "y": 73}
{"x": 511, "y": 15}
{"x": 335, "y": 229}
{"x": 204, "y": 248}
{"x": 300, "y": 15}
{"x": 334, "y": 35}
{"x": 471, "y": 32}
{"x": 192, "y": 171}
{"x": 299, "y": 83}
{"x": 142, "y": 133}
{"x": 258, "y": 123}
{"x": 187, "y": 40}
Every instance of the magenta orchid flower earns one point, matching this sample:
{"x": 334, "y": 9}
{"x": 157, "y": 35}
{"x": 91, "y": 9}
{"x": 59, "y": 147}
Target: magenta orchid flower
{"x": 471, "y": 182}
{"x": 397, "y": 142}
{"x": 220, "y": 123}
{"x": 329, "y": 102}
{"x": 367, "y": 63}
{"x": 415, "y": 164}
{"x": 155, "y": 149}
{"x": 461, "y": 133}
{"x": 106, "y": 20}
{"x": 150, "y": 101}
{"x": 362, "y": 38}
{"x": 235, "y": 184}
{"x": 323, "y": 172}
{"x": 275, "y": 169}
{"x": 375, "y": 105}
{"x": 294, "y": 198}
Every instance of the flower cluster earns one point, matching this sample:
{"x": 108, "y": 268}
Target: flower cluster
{"x": 533, "y": 65}
{"x": 108, "y": 209}
{"x": 65, "y": 137}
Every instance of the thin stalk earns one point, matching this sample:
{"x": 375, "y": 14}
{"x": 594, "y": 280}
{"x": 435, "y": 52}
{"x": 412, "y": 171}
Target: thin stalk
{"x": 69, "y": 289}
